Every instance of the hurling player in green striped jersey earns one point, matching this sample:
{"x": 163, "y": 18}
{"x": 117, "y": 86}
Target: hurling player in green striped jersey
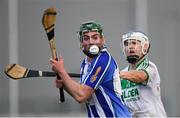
{"x": 140, "y": 80}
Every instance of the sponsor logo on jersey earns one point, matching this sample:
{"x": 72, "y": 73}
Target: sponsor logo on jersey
{"x": 130, "y": 91}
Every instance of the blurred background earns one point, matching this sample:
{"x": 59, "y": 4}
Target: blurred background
{"x": 23, "y": 41}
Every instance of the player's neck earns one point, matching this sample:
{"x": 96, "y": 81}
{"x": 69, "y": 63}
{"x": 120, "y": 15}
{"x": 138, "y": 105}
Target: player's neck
{"x": 133, "y": 66}
{"x": 89, "y": 59}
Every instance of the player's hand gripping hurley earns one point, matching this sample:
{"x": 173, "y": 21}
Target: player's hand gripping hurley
{"x": 48, "y": 21}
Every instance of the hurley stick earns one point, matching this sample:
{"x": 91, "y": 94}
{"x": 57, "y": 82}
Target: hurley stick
{"x": 48, "y": 21}
{"x": 16, "y": 72}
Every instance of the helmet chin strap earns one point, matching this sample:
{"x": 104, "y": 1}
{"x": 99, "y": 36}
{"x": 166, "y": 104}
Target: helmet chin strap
{"x": 133, "y": 59}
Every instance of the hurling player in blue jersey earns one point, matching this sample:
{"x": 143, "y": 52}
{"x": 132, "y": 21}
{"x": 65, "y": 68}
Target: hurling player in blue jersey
{"x": 99, "y": 83}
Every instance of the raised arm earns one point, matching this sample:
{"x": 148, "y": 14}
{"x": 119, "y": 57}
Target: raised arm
{"x": 79, "y": 92}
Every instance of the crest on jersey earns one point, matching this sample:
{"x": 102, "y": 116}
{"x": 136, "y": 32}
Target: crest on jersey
{"x": 94, "y": 77}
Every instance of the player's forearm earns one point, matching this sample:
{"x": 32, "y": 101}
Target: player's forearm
{"x": 72, "y": 87}
{"x": 134, "y": 76}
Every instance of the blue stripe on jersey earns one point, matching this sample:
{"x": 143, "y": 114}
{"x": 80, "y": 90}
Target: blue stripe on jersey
{"x": 94, "y": 111}
{"x": 88, "y": 110}
{"x": 81, "y": 71}
{"x": 104, "y": 103}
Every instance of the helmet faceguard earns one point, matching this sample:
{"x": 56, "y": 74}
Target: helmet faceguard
{"x": 139, "y": 36}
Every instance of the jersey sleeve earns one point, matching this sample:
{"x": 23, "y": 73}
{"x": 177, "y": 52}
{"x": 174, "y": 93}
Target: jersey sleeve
{"x": 147, "y": 74}
{"x": 154, "y": 79}
{"x": 152, "y": 73}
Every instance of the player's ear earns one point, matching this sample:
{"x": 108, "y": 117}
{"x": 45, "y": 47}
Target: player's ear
{"x": 103, "y": 40}
{"x": 146, "y": 48}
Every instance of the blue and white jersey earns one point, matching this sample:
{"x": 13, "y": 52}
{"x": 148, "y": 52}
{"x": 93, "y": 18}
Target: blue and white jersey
{"x": 102, "y": 74}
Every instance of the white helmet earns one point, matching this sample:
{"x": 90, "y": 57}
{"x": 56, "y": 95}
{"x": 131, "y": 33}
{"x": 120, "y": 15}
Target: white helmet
{"x": 140, "y": 36}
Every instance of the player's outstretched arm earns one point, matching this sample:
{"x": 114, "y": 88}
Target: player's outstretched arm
{"x": 134, "y": 76}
